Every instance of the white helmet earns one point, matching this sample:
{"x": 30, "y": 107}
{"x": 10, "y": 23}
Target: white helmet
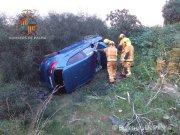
{"x": 111, "y": 43}
{"x": 106, "y": 41}
{"x": 121, "y": 36}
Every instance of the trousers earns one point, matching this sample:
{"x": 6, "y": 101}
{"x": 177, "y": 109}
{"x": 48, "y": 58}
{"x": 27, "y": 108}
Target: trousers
{"x": 127, "y": 68}
{"x": 111, "y": 68}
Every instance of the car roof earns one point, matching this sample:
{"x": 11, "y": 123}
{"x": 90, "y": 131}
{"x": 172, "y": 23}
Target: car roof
{"x": 72, "y": 49}
{"x": 81, "y": 44}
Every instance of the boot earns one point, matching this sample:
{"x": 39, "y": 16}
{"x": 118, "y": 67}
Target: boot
{"x": 128, "y": 73}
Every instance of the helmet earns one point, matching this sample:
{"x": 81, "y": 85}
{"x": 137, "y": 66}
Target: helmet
{"x": 121, "y": 35}
{"x": 111, "y": 43}
{"x": 106, "y": 41}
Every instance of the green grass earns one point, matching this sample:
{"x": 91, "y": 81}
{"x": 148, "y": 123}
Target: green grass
{"x": 89, "y": 107}
{"x": 12, "y": 127}
{"x": 94, "y": 103}
{"x": 87, "y": 110}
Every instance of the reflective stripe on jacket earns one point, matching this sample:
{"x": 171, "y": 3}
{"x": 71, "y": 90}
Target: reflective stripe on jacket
{"x": 111, "y": 53}
{"x": 127, "y": 53}
{"x": 121, "y": 42}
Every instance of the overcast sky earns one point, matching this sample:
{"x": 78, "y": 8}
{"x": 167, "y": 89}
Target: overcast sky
{"x": 147, "y": 11}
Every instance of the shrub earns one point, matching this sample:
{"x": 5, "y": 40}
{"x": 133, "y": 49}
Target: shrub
{"x": 20, "y": 59}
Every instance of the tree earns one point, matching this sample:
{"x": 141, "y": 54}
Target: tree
{"x": 66, "y": 28}
{"x": 122, "y": 21}
{"x": 171, "y": 12}
{"x": 60, "y": 31}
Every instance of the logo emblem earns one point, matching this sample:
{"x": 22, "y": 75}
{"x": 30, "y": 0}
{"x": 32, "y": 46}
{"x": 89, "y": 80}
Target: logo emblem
{"x": 27, "y": 24}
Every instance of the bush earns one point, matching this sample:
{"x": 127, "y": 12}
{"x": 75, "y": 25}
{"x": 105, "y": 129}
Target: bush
{"x": 20, "y": 59}
{"x": 17, "y": 99}
{"x": 122, "y": 21}
{"x": 171, "y": 12}
{"x": 155, "y": 42}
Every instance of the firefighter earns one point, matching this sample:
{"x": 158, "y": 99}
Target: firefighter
{"x": 121, "y": 40}
{"x": 106, "y": 41}
{"x": 121, "y": 37}
{"x": 111, "y": 54}
{"x": 127, "y": 57}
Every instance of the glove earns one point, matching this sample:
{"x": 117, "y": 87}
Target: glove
{"x": 122, "y": 61}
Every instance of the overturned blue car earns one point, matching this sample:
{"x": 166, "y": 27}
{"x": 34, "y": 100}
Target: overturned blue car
{"x": 74, "y": 65}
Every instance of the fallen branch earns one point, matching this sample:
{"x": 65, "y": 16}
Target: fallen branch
{"x": 128, "y": 97}
{"x": 39, "y": 115}
{"x": 116, "y": 96}
{"x": 48, "y": 119}
{"x": 7, "y": 103}
{"x": 30, "y": 108}
{"x": 137, "y": 119}
{"x": 155, "y": 96}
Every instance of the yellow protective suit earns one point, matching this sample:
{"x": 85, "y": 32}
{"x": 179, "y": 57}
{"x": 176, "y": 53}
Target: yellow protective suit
{"x": 127, "y": 56}
{"x": 111, "y": 54}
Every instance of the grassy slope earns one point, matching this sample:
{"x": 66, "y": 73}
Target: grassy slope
{"x": 87, "y": 110}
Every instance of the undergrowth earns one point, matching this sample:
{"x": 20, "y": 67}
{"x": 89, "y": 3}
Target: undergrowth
{"x": 90, "y": 108}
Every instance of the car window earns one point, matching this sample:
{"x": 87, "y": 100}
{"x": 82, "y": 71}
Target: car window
{"x": 77, "y": 57}
{"x": 88, "y": 51}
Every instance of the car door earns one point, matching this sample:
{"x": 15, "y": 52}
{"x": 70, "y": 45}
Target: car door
{"x": 90, "y": 63}
{"x": 74, "y": 72}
